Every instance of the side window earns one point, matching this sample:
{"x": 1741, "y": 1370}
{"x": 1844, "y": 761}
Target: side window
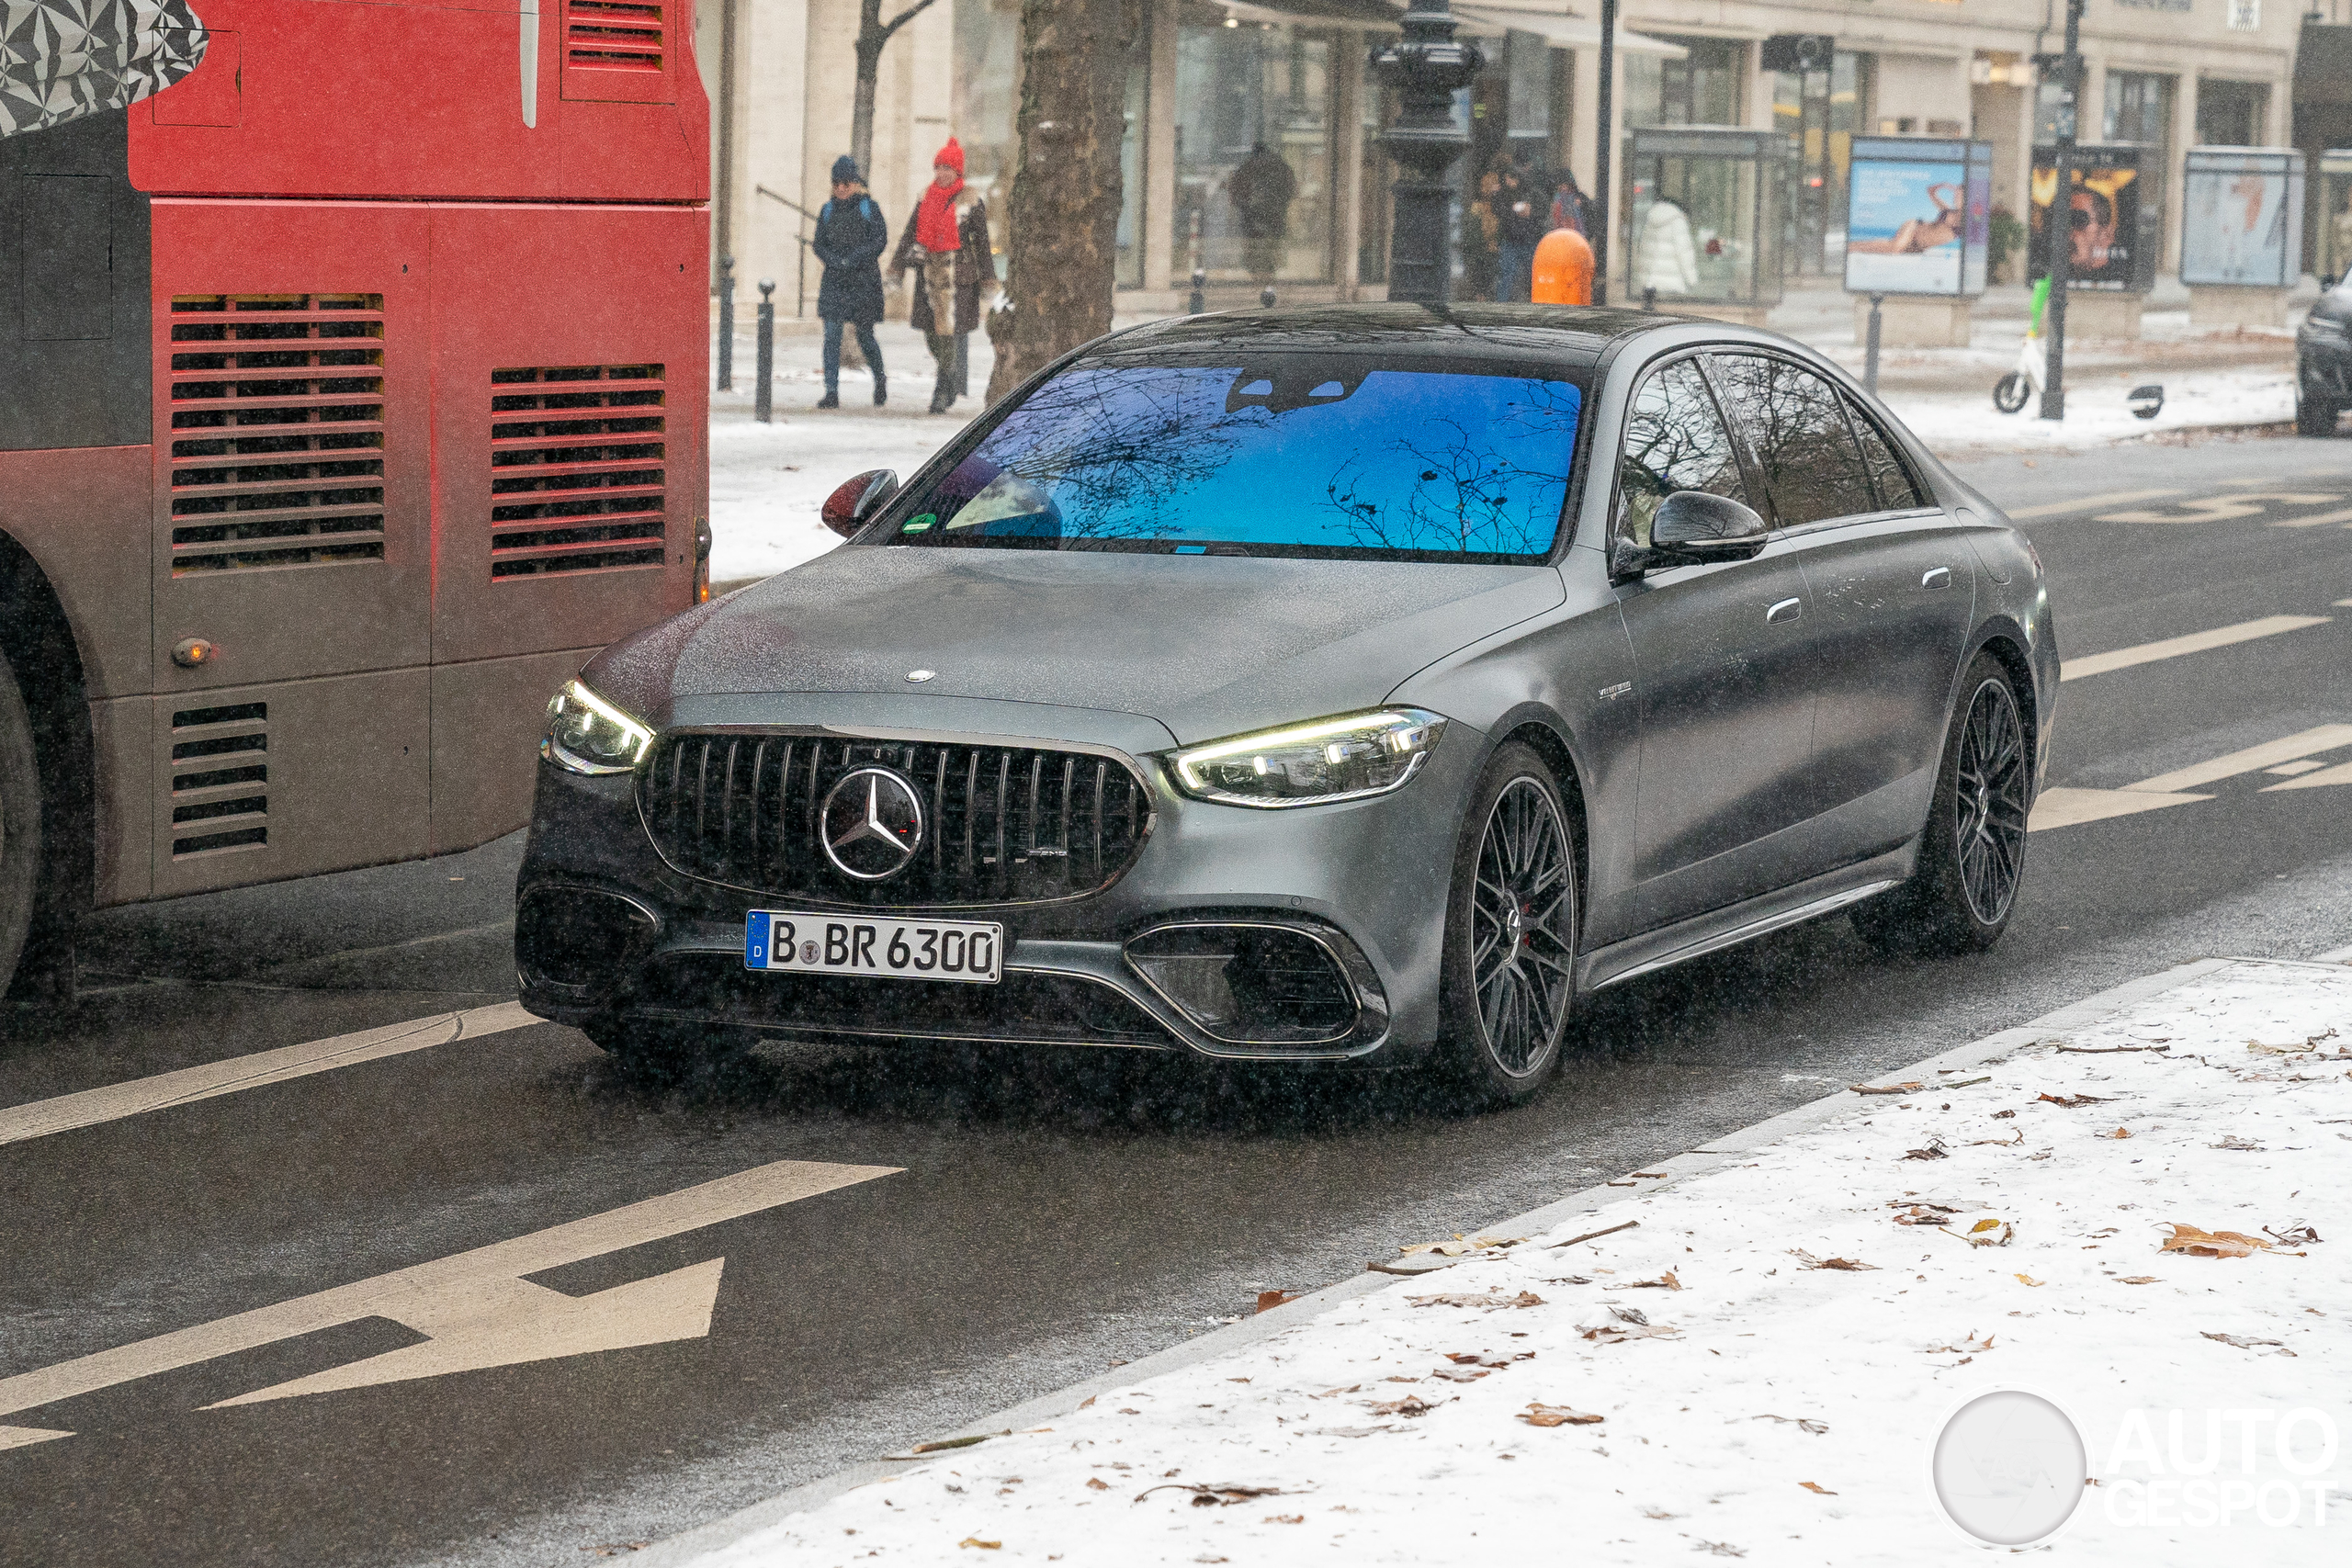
{"x": 1897, "y": 493}
{"x": 1810, "y": 461}
{"x": 1675, "y": 439}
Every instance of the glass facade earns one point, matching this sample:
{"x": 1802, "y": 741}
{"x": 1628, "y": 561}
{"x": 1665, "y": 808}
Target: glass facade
{"x": 1824, "y": 110}
{"x": 2139, "y": 110}
{"x": 1704, "y": 88}
{"x": 1255, "y": 110}
{"x": 1707, "y": 215}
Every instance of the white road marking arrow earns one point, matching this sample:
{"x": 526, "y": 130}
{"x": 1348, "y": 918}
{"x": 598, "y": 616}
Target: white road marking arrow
{"x": 476, "y": 1307}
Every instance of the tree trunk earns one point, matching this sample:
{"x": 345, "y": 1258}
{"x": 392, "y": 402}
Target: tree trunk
{"x": 873, "y": 32}
{"x": 1062, "y": 216}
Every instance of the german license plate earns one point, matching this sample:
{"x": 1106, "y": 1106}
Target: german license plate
{"x": 880, "y": 948}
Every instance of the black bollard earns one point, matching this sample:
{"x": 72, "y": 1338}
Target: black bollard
{"x": 1266, "y": 297}
{"x": 764, "y": 395}
{"x": 1199, "y": 299}
{"x": 727, "y": 324}
{"x": 1869, "y": 351}
{"x": 1649, "y": 299}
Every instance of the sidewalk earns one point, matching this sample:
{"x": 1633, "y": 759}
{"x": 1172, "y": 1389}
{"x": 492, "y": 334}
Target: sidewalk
{"x": 1755, "y": 1353}
{"x": 767, "y": 481}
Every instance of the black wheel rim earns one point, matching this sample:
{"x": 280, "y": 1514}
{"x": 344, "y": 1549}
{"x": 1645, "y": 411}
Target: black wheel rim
{"x": 1522, "y": 919}
{"x": 1989, "y": 802}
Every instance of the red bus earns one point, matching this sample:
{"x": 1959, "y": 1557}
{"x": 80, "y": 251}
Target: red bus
{"x": 352, "y": 394}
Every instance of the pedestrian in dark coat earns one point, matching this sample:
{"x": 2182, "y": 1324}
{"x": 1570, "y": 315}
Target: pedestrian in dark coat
{"x": 1261, "y": 188}
{"x": 945, "y": 245}
{"x": 1522, "y": 217}
{"x": 851, "y": 237}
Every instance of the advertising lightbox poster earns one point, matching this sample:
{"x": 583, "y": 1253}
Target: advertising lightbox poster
{"x": 2242, "y": 215}
{"x": 2102, "y": 218}
{"x": 1918, "y": 216}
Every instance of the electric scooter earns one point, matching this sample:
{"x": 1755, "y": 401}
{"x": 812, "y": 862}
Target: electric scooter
{"x": 2012, "y": 392}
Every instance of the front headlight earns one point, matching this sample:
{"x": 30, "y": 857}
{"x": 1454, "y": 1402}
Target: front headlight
{"x": 1312, "y": 764}
{"x": 588, "y": 735}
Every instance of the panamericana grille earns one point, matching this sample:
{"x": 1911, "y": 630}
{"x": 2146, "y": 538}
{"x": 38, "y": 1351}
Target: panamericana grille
{"x": 278, "y": 431}
{"x": 1002, "y": 824}
{"x": 577, "y": 456}
{"x": 220, "y": 779}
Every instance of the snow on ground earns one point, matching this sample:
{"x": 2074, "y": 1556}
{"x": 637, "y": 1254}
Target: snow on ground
{"x": 768, "y": 481}
{"x": 1790, "y": 1346}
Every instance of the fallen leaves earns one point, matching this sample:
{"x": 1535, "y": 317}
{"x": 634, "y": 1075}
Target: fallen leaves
{"x": 1205, "y": 1495}
{"x": 2027, "y": 1280}
{"x": 2140, "y": 1278}
{"x": 1283, "y": 1519}
{"x": 983, "y": 1545}
{"x": 1411, "y": 1405}
{"x": 2001, "y": 1143}
{"x": 1801, "y": 1423}
{"x": 2298, "y": 1236}
{"x": 1096, "y": 1483}
{"x": 1558, "y": 1415}
{"x": 2070, "y": 1101}
{"x": 2119, "y": 1133}
{"x": 1269, "y": 1300}
{"x": 1912, "y": 1087}
{"x": 2197, "y": 1243}
{"x": 2246, "y": 1343}
{"x": 1816, "y": 1487}
{"x": 1934, "y": 1150}
{"x": 1484, "y": 1299}
{"x": 1847, "y": 1265}
{"x": 1618, "y": 1333}
{"x": 1970, "y": 1346}
{"x": 1666, "y": 1281}
{"x": 2233, "y": 1142}
{"x": 1990, "y": 1231}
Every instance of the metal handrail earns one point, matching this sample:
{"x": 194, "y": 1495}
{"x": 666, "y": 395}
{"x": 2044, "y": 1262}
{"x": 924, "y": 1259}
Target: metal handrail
{"x": 800, "y": 287}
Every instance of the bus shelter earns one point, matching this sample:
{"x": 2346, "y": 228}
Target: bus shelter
{"x": 1706, "y": 207}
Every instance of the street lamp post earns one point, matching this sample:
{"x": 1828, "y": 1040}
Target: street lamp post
{"x": 1604, "y": 146}
{"x": 1427, "y": 66}
{"x": 2058, "y": 229}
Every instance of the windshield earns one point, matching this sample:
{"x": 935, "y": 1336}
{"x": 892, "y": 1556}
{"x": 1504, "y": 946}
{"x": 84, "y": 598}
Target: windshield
{"x": 1291, "y": 456}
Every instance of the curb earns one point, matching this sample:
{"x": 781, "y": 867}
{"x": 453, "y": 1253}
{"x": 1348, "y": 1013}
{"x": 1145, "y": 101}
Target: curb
{"x": 682, "y": 1549}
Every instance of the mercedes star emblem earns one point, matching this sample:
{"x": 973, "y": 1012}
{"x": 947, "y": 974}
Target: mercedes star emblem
{"x": 872, "y": 824}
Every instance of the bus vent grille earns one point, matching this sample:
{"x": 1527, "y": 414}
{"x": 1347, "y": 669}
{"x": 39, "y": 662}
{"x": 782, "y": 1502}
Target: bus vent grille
{"x": 278, "y": 431}
{"x": 576, "y": 474}
{"x": 612, "y": 34}
{"x": 220, "y": 779}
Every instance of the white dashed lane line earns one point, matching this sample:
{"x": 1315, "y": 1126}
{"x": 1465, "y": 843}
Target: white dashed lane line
{"x": 66, "y": 1112}
{"x": 2065, "y": 807}
{"x": 2192, "y": 642}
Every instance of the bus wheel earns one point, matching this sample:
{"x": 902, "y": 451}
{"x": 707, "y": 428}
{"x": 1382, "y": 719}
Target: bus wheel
{"x": 20, "y": 847}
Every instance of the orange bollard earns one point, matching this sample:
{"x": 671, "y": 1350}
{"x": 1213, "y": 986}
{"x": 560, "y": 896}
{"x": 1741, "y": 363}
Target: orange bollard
{"x": 1563, "y": 269}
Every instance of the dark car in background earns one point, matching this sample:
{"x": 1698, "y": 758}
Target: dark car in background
{"x": 2324, "y": 361}
{"x": 1349, "y": 686}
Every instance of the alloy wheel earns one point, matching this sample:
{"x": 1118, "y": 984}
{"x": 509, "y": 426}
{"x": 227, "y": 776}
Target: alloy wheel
{"x": 1523, "y": 943}
{"x": 1989, "y": 802}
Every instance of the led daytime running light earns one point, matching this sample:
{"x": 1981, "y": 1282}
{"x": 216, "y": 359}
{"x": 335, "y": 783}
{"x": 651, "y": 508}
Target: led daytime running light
{"x": 602, "y": 738}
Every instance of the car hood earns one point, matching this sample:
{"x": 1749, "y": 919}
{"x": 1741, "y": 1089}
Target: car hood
{"x": 1205, "y": 645}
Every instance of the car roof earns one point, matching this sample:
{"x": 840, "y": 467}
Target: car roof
{"x": 1554, "y": 333}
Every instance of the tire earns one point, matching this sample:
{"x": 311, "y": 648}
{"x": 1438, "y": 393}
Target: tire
{"x": 1508, "y": 980}
{"x": 21, "y": 825}
{"x": 2315, "y": 415}
{"x": 2010, "y": 392}
{"x": 1971, "y": 852}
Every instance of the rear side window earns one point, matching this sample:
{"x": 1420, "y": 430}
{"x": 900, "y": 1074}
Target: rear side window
{"x": 1812, "y": 465}
{"x": 1675, "y": 439}
{"x": 1897, "y": 493}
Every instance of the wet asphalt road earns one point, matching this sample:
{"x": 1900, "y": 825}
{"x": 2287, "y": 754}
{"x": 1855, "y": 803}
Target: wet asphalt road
{"x": 1050, "y": 1213}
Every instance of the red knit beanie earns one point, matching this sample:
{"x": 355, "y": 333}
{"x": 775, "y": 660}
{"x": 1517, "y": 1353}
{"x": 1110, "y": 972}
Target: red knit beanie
{"x": 952, "y": 156}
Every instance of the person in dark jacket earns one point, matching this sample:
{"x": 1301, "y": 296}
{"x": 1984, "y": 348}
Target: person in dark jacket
{"x": 851, "y": 237}
{"x": 1522, "y": 217}
{"x": 945, "y": 245}
{"x": 1261, "y": 188}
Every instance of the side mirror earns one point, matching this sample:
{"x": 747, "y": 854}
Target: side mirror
{"x": 1694, "y": 527}
{"x": 852, "y": 504}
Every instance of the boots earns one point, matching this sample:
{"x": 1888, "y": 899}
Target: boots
{"x": 881, "y": 391}
{"x": 832, "y": 400}
{"x": 941, "y": 396}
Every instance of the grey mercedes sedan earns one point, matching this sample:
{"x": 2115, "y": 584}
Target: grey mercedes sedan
{"x": 1362, "y": 684}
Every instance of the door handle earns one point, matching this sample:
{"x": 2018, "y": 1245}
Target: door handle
{"x": 1937, "y": 577}
{"x": 1786, "y": 610}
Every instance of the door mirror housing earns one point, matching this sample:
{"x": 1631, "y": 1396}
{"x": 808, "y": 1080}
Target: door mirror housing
{"x": 854, "y": 501}
{"x": 1694, "y": 527}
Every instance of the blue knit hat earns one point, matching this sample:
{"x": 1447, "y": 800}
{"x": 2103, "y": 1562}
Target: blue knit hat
{"x": 845, "y": 171}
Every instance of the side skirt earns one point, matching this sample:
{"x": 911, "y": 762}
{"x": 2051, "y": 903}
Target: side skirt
{"x": 1743, "y": 921}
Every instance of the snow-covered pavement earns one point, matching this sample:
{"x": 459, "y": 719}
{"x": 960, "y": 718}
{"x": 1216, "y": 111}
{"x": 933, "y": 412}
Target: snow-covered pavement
{"x": 1755, "y": 1359}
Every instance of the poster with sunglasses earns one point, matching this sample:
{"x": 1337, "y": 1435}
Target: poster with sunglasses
{"x": 2101, "y": 216}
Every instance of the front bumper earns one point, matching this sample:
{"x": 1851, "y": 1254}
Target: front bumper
{"x": 1362, "y": 881}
